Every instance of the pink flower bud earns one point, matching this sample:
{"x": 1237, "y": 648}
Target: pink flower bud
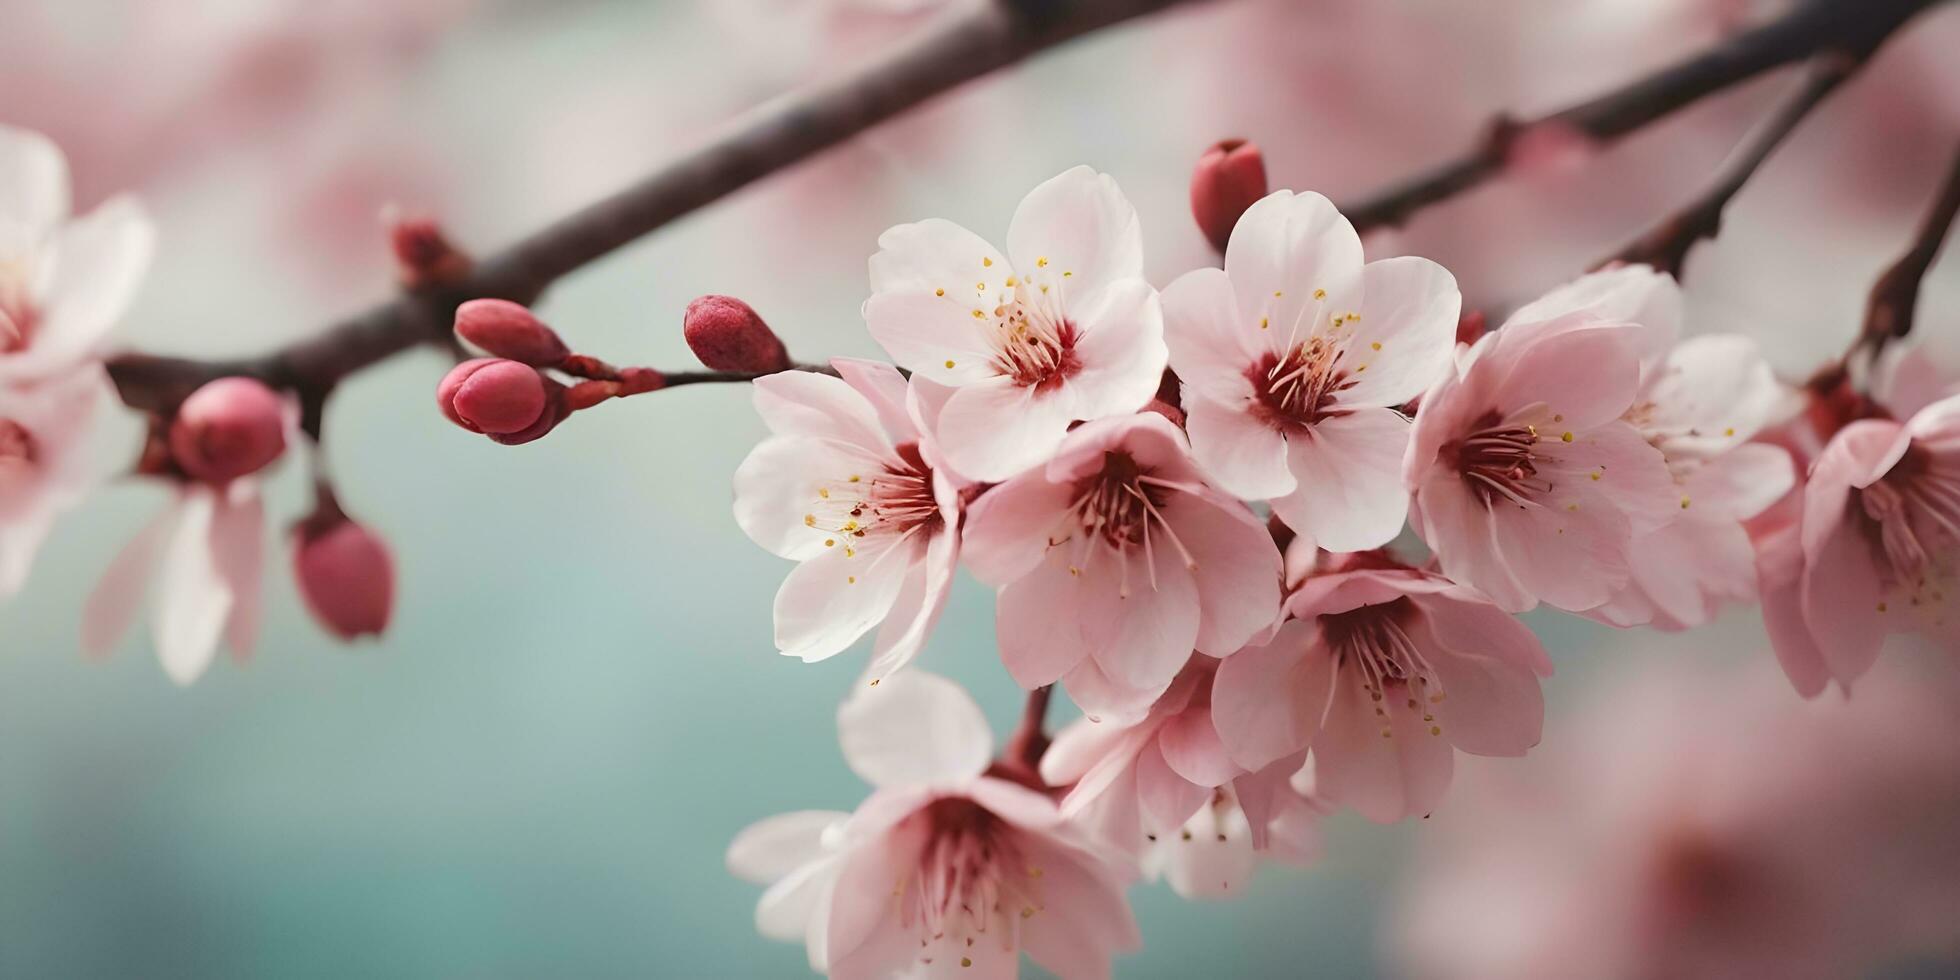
{"x": 346, "y": 575}
{"x": 229, "y": 428}
{"x": 492, "y": 396}
{"x": 506, "y": 329}
{"x": 727, "y": 335}
{"x": 1229, "y": 178}
{"x": 423, "y": 255}
{"x": 1470, "y": 326}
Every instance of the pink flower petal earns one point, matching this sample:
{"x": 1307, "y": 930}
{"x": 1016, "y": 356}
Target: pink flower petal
{"x": 829, "y": 601}
{"x": 915, "y": 728}
{"x": 994, "y": 429}
{"x": 1284, "y": 248}
{"x": 1036, "y": 623}
{"x": 1349, "y": 494}
{"x": 1121, "y": 345}
{"x": 1268, "y": 701}
{"x": 1211, "y": 345}
{"x": 1407, "y": 332}
{"x": 1080, "y": 222}
{"x": 1241, "y": 454}
{"x": 1237, "y": 569}
{"x": 1384, "y": 777}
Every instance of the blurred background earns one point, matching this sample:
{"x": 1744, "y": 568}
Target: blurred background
{"x": 578, "y": 703}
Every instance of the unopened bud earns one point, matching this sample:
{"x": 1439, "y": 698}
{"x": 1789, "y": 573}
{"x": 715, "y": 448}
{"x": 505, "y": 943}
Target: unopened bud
{"x": 493, "y": 396}
{"x": 229, "y": 428}
{"x": 346, "y": 575}
{"x": 727, "y": 335}
{"x": 1230, "y": 177}
{"x": 508, "y": 330}
{"x": 423, "y": 255}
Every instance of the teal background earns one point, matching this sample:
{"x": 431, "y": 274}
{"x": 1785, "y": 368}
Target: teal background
{"x": 578, "y": 704}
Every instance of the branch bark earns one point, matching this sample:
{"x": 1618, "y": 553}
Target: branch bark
{"x": 1813, "y": 27}
{"x": 1666, "y": 245}
{"x": 1895, "y": 297}
{"x": 770, "y": 138}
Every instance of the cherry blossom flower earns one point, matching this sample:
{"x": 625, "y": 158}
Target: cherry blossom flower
{"x": 1700, "y": 402}
{"x": 944, "y": 870}
{"x": 1386, "y": 672}
{"x": 205, "y": 555}
{"x": 45, "y": 467}
{"x": 1880, "y": 548}
{"x": 1700, "y": 824}
{"x": 850, "y": 485}
{"x": 64, "y": 281}
{"x": 1529, "y": 485}
{"x": 1115, "y": 560}
{"x": 1063, "y": 327}
{"x": 1165, "y": 789}
{"x": 1294, "y": 358}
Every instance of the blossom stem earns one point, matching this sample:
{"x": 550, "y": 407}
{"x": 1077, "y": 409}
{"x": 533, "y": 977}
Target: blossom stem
{"x": 1666, "y": 245}
{"x": 1810, "y": 28}
{"x": 1030, "y": 740}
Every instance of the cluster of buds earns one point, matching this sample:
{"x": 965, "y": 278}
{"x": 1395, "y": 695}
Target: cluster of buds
{"x": 509, "y": 397}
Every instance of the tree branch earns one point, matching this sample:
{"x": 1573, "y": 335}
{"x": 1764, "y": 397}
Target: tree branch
{"x": 1853, "y": 27}
{"x": 770, "y": 138}
{"x": 1666, "y": 245}
{"x": 1895, "y": 297}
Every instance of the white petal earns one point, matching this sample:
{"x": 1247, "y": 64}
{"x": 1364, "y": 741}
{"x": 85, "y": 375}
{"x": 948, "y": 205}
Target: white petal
{"x": 1713, "y": 393}
{"x": 238, "y": 551}
{"x": 193, "y": 599}
{"x": 1635, "y": 294}
{"x": 768, "y": 849}
{"x": 1285, "y": 248}
{"x": 1349, "y": 473}
{"x": 776, "y": 489}
{"x": 1121, "y": 347}
{"x": 1238, "y": 452}
{"x": 806, "y": 405}
{"x": 885, "y": 389}
{"x": 33, "y": 183}
{"x": 829, "y": 601}
{"x": 1211, "y": 346}
{"x": 1406, "y": 334}
{"x": 100, "y": 260}
{"x": 916, "y": 728}
{"x": 1082, "y": 225}
{"x": 995, "y": 429}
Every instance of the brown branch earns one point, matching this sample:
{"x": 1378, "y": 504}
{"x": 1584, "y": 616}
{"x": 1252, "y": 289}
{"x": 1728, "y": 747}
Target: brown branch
{"x": 1895, "y": 297}
{"x": 1812, "y": 27}
{"x": 1020, "y": 760}
{"x": 769, "y": 139}
{"x": 1665, "y": 246}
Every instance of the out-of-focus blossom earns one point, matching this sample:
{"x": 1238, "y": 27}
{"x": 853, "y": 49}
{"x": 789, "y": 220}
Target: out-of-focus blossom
{"x": 1880, "y": 548}
{"x": 1529, "y": 485}
{"x": 943, "y": 871}
{"x": 1063, "y": 327}
{"x": 1165, "y": 789}
{"x": 1386, "y": 672}
{"x": 45, "y": 467}
{"x": 850, "y": 484}
{"x": 200, "y": 562}
{"x": 1701, "y": 824}
{"x": 1701, "y": 401}
{"x": 64, "y": 280}
{"x": 1115, "y": 560}
{"x": 1294, "y": 358}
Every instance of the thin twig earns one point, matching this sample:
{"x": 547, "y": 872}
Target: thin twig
{"x": 1030, "y": 740}
{"x": 1895, "y": 297}
{"x": 769, "y": 139}
{"x": 1812, "y": 27}
{"x": 1665, "y": 246}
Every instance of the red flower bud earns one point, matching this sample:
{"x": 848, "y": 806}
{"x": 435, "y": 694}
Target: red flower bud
{"x": 727, "y": 335}
{"x": 508, "y": 330}
{"x": 423, "y": 255}
{"x": 229, "y": 428}
{"x": 346, "y": 575}
{"x": 1470, "y": 326}
{"x": 1229, "y": 178}
{"x": 493, "y": 396}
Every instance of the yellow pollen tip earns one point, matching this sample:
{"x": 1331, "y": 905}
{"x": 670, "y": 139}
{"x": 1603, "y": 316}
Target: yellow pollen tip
{"x": 855, "y": 478}
{"x": 1730, "y": 432}
{"x": 1042, "y": 262}
{"x": 1565, "y": 437}
{"x": 1066, "y": 274}
{"x": 1377, "y": 345}
{"x": 1572, "y": 507}
{"x": 850, "y": 580}
{"x": 1684, "y": 503}
{"x": 1595, "y": 476}
{"x": 1881, "y": 607}
{"x": 979, "y": 315}
{"x": 1264, "y": 323}
{"x": 1010, "y": 282}
{"x": 949, "y": 364}
{"x": 1317, "y": 294}
{"x": 1435, "y": 729}
{"x": 830, "y": 542}
{"x": 986, "y": 261}
{"x": 966, "y": 961}
{"x": 809, "y": 520}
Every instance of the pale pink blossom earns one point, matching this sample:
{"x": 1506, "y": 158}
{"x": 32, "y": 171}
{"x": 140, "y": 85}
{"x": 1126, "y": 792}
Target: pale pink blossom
{"x": 1295, "y": 358}
{"x": 1059, "y": 328}
{"x": 64, "y": 280}
{"x": 1529, "y": 484}
{"x": 1387, "y": 672}
{"x": 45, "y": 462}
{"x": 1878, "y": 549}
{"x": 1115, "y": 560}
{"x": 200, "y": 562}
{"x": 1701, "y": 824}
{"x": 943, "y": 870}
{"x": 1701, "y": 401}
{"x": 850, "y": 485}
{"x": 1165, "y": 788}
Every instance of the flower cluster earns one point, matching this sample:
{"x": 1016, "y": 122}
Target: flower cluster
{"x": 1101, "y": 453}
